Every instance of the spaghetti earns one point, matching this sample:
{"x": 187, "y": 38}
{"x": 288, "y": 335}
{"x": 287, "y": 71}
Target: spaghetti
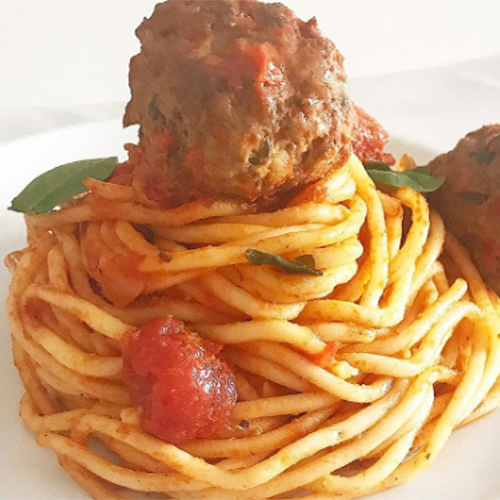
{"x": 416, "y": 347}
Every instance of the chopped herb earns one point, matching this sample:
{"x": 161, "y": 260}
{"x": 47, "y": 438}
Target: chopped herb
{"x": 244, "y": 424}
{"x": 302, "y": 265}
{"x": 50, "y": 189}
{"x": 147, "y": 232}
{"x": 154, "y": 112}
{"x": 375, "y": 165}
{"x": 261, "y": 155}
{"x": 277, "y": 20}
{"x": 165, "y": 257}
{"x": 474, "y": 197}
{"x": 483, "y": 156}
{"x": 307, "y": 260}
{"x": 420, "y": 179}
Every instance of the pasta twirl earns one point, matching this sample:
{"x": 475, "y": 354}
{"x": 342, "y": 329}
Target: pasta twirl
{"x": 415, "y": 354}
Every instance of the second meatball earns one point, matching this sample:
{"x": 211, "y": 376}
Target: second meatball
{"x": 469, "y": 201}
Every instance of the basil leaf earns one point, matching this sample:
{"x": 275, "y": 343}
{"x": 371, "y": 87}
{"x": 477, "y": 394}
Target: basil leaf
{"x": 420, "y": 179}
{"x": 483, "y": 156}
{"x": 51, "y": 188}
{"x": 303, "y": 265}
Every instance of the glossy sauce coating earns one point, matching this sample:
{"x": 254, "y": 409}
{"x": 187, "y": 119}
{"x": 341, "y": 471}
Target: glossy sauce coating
{"x": 180, "y": 381}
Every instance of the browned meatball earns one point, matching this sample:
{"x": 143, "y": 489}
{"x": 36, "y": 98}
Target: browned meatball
{"x": 470, "y": 198}
{"x": 237, "y": 98}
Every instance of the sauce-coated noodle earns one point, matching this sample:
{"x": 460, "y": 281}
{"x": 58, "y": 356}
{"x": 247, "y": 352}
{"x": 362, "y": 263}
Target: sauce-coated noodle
{"x": 416, "y": 354}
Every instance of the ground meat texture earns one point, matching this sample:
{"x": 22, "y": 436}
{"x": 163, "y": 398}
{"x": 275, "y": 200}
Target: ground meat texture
{"x": 237, "y": 98}
{"x": 181, "y": 383}
{"x": 469, "y": 201}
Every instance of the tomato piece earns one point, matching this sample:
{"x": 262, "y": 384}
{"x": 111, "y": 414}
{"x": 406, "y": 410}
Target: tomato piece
{"x": 180, "y": 381}
{"x": 370, "y": 139}
{"x": 118, "y": 276}
{"x": 245, "y": 61}
{"x": 158, "y": 190}
{"x": 120, "y": 279}
{"x": 326, "y": 357}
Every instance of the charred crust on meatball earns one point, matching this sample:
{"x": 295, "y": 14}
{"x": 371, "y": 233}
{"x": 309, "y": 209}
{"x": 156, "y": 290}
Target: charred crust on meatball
{"x": 253, "y": 99}
{"x": 469, "y": 200}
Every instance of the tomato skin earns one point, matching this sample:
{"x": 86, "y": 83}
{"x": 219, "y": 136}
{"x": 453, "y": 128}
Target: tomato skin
{"x": 325, "y": 358}
{"x": 245, "y": 61}
{"x": 118, "y": 276}
{"x": 370, "y": 139}
{"x": 183, "y": 386}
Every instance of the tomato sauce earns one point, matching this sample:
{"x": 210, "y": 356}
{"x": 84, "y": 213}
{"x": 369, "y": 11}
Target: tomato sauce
{"x": 118, "y": 276}
{"x": 326, "y": 357}
{"x": 180, "y": 381}
{"x": 245, "y": 61}
{"x": 370, "y": 139}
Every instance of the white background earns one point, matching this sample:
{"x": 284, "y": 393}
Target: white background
{"x": 66, "y": 61}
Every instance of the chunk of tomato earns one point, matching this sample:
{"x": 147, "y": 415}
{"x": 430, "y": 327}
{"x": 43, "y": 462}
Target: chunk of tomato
{"x": 180, "y": 381}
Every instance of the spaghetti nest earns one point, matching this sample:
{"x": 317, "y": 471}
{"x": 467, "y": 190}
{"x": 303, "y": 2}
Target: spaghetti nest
{"x": 417, "y": 352}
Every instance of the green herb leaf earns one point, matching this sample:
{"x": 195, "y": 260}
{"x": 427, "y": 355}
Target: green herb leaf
{"x": 51, "y": 188}
{"x": 483, "y": 156}
{"x": 307, "y": 260}
{"x": 305, "y": 264}
{"x": 420, "y": 178}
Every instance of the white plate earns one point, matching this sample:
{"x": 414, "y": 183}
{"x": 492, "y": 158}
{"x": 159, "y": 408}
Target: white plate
{"x": 467, "y": 469}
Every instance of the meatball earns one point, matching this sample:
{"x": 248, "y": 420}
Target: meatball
{"x": 470, "y": 198}
{"x": 236, "y": 98}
